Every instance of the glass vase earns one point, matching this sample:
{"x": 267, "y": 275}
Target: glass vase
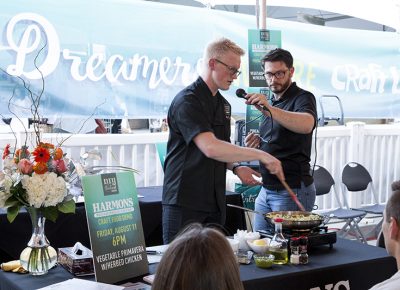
{"x": 39, "y": 256}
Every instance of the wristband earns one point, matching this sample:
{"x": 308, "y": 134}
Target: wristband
{"x": 234, "y": 167}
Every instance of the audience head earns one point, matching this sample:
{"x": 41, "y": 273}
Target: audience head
{"x": 391, "y": 222}
{"x": 199, "y": 258}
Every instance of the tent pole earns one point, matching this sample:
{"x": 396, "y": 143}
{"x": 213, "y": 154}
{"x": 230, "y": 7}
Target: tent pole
{"x": 263, "y": 14}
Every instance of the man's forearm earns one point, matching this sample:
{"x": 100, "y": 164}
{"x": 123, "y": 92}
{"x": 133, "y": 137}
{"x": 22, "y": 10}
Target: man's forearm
{"x": 298, "y": 122}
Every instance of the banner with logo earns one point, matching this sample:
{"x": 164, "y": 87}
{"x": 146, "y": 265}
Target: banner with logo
{"x": 116, "y": 58}
{"x": 260, "y": 43}
{"x": 115, "y": 226}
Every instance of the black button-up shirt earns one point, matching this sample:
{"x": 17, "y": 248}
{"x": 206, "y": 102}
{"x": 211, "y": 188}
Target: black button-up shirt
{"x": 190, "y": 178}
{"x": 292, "y": 149}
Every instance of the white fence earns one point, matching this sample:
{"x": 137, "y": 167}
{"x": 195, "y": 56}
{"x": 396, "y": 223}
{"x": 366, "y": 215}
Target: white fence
{"x": 374, "y": 146}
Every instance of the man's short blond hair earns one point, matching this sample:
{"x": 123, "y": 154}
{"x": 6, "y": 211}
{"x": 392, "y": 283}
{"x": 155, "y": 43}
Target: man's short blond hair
{"x": 220, "y": 47}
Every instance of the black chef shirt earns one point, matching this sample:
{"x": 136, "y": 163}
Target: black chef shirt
{"x": 190, "y": 178}
{"x": 292, "y": 149}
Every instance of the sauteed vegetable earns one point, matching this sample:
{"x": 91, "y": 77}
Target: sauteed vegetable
{"x": 291, "y": 216}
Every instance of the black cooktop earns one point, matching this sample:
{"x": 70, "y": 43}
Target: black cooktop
{"x": 316, "y": 237}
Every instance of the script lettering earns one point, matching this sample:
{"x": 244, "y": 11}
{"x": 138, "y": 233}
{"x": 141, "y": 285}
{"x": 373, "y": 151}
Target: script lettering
{"x": 349, "y": 76}
{"x": 83, "y": 66}
{"x": 396, "y": 80}
{"x": 23, "y": 49}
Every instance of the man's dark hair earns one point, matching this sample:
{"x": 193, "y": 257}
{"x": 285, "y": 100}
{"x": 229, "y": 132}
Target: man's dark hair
{"x": 393, "y": 204}
{"x": 278, "y": 54}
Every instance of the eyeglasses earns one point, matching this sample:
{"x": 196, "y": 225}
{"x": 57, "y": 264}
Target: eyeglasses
{"x": 232, "y": 70}
{"x": 279, "y": 74}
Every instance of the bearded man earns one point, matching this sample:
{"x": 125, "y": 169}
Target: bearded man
{"x": 286, "y": 133}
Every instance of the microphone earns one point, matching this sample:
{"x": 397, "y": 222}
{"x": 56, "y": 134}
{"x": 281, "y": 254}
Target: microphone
{"x": 240, "y": 93}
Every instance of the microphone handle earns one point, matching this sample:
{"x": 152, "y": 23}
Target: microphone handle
{"x": 263, "y": 107}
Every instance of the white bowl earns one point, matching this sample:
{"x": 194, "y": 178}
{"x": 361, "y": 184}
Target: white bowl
{"x": 243, "y": 238}
{"x": 234, "y": 244}
{"x": 259, "y": 249}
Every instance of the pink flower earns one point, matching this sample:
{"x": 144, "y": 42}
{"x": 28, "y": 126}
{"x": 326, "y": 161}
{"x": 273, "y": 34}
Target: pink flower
{"x": 59, "y": 166}
{"x": 25, "y": 166}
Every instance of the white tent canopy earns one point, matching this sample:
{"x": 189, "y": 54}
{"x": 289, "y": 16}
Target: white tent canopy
{"x": 386, "y": 12}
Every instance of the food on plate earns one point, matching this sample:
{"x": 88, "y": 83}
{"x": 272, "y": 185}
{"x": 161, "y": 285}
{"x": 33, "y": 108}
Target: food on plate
{"x": 260, "y": 242}
{"x": 259, "y": 246}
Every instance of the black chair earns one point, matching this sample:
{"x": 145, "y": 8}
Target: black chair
{"x": 324, "y": 183}
{"x": 356, "y": 178}
{"x": 380, "y": 241}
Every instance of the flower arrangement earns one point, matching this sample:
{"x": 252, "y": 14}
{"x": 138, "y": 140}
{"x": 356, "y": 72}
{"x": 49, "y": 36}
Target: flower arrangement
{"x": 36, "y": 179}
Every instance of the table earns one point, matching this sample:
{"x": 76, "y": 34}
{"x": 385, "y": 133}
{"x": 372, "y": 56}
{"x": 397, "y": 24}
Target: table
{"x": 71, "y": 228}
{"x": 349, "y": 263}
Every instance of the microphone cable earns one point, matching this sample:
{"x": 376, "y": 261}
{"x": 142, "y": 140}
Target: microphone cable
{"x": 315, "y": 146}
{"x": 241, "y": 93}
{"x": 259, "y": 117}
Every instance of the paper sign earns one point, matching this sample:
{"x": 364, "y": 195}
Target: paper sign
{"x": 115, "y": 226}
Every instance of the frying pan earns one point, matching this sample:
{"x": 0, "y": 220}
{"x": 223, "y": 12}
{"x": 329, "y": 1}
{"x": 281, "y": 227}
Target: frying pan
{"x": 295, "y": 220}
{"x": 292, "y": 220}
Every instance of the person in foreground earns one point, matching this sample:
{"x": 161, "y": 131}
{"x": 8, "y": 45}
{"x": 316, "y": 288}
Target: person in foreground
{"x": 286, "y": 133}
{"x": 199, "y": 258}
{"x": 391, "y": 233}
{"x": 199, "y": 149}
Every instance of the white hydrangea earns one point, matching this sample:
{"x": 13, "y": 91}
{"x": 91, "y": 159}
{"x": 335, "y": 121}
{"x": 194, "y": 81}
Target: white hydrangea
{"x": 57, "y": 189}
{"x": 46, "y": 189}
{"x": 5, "y": 185}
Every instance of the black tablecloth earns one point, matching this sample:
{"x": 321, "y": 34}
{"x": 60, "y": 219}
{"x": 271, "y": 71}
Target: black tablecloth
{"x": 71, "y": 228}
{"x": 349, "y": 263}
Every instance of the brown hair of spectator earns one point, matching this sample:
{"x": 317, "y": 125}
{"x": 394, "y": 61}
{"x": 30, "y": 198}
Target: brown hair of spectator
{"x": 199, "y": 258}
{"x": 393, "y": 204}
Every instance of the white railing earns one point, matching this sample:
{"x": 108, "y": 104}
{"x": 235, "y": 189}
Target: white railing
{"x": 374, "y": 146}
{"x": 132, "y": 150}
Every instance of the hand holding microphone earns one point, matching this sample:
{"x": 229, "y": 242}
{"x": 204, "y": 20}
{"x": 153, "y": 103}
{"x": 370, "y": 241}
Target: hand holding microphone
{"x": 257, "y": 100}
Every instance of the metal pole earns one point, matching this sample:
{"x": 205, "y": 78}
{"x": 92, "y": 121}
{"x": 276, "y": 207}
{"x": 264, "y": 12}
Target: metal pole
{"x": 263, "y": 14}
{"x": 257, "y": 8}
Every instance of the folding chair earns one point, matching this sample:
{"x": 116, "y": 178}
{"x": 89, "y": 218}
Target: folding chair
{"x": 356, "y": 178}
{"x": 324, "y": 182}
{"x": 380, "y": 241}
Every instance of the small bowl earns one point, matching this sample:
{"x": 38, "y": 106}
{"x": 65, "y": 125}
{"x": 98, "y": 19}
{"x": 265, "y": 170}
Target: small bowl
{"x": 259, "y": 249}
{"x": 264, "y": 260}
{"x": 234, "y": 244}
{"x": 244, "y": 257}
{"x": 244, "y": 237}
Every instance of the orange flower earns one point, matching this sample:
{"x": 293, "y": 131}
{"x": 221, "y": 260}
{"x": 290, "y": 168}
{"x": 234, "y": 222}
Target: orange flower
{"x": 58, "y": 153}
{"x": 41, "y": 154}
{"x": 40, "y": 168}
{"x": 6, "y": 151}
{"x": 21, "y": 153}
{"x": 46, "y": 145}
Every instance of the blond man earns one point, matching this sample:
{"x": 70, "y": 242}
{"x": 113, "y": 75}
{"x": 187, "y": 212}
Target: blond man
{"x": 199, "y": 149}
